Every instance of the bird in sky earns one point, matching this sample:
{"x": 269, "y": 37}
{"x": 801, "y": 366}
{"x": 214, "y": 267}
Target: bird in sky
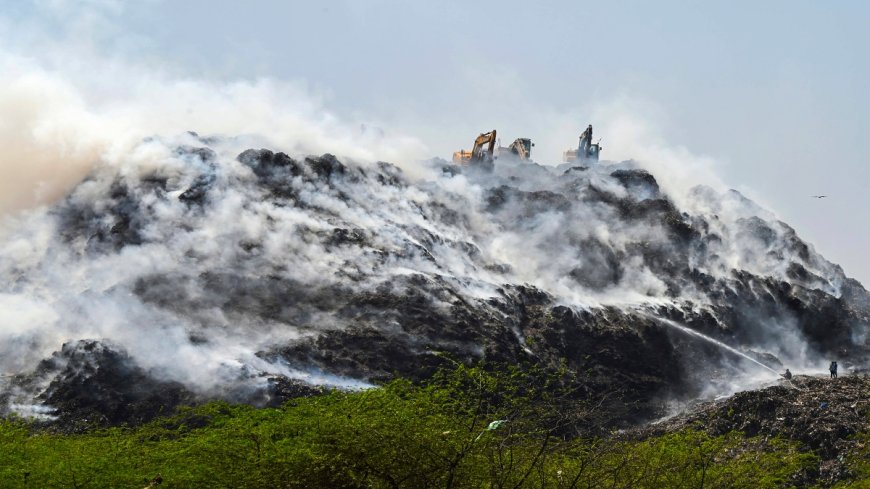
{"x": 818, "y": 196}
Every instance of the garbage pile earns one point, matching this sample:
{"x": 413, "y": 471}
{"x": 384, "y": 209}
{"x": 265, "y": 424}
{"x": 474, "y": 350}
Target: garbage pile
{"x": 821, "y": 413}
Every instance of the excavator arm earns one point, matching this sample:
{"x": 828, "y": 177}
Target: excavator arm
{"x": 487, "y": 138}
{"x": 585, "y": 141}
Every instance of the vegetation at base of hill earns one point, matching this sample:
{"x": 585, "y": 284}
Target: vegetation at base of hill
{"x": 439, "y": 434}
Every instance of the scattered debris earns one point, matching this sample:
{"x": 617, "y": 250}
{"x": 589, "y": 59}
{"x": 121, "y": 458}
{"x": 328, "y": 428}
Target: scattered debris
{"x": 822, "y": 415}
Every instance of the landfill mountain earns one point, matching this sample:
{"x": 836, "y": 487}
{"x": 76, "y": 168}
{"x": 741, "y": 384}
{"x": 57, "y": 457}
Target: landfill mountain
{"x": 191, "y": 270}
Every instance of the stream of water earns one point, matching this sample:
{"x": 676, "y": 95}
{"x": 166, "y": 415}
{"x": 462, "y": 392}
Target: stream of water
{"x": 687, "y": 330}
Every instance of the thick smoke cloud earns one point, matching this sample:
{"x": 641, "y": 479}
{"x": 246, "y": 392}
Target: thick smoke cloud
{"x": 54, "y": 134}
{"x": 164, "y": 244}
{"x": 194, "y": 261}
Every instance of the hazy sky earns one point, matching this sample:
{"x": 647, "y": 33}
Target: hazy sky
{"x": 774, "y": 93}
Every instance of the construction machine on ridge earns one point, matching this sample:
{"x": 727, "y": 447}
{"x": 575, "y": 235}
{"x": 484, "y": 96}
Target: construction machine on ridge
{"x": 586, "y": 149}
{"x": 483, "y": 151}
{"x": 521, "y": 149}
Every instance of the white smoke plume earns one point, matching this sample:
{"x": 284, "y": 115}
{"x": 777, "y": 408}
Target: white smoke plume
{"x": 56, "y": 128}
{"x": 120, "y": 257}
{"x": 162, "y": 293}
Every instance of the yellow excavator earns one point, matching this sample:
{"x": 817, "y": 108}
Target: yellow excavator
{"x": 586, "y": 150}
{"x": 479, "y": 153}
{"x": 521, "y": 149}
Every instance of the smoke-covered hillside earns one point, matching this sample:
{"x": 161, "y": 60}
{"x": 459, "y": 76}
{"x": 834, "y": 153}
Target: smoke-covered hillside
{"x": 190, "y": 271}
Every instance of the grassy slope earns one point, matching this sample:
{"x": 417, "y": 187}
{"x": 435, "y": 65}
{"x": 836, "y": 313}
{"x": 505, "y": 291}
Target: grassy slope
{"x": 399, "y": 435}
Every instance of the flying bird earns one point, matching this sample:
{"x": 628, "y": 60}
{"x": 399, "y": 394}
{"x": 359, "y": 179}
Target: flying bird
{"x": 818, "y": 196}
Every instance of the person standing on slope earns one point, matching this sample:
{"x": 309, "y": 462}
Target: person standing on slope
{"x": 833, "y": 369}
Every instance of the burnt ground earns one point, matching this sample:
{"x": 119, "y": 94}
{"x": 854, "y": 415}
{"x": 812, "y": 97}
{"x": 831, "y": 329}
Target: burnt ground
{"x": 823, "y": 415}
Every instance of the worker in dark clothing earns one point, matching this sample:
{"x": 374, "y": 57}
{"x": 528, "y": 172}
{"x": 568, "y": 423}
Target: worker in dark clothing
{"x": 833, "y": 370}
{"x": 787, "y": 374}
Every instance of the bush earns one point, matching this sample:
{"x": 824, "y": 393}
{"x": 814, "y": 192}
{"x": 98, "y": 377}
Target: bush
{"x": 399, "y": 435}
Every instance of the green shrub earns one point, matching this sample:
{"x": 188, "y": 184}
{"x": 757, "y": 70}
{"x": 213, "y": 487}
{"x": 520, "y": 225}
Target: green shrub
{"x": 398, "y": 435}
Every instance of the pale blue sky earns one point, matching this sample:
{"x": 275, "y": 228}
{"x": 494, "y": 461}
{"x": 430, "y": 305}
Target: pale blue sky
{"x": 776, "y": 92}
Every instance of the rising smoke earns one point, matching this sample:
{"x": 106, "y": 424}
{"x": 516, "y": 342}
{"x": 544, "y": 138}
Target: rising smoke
{"x": 195, "y": 257}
